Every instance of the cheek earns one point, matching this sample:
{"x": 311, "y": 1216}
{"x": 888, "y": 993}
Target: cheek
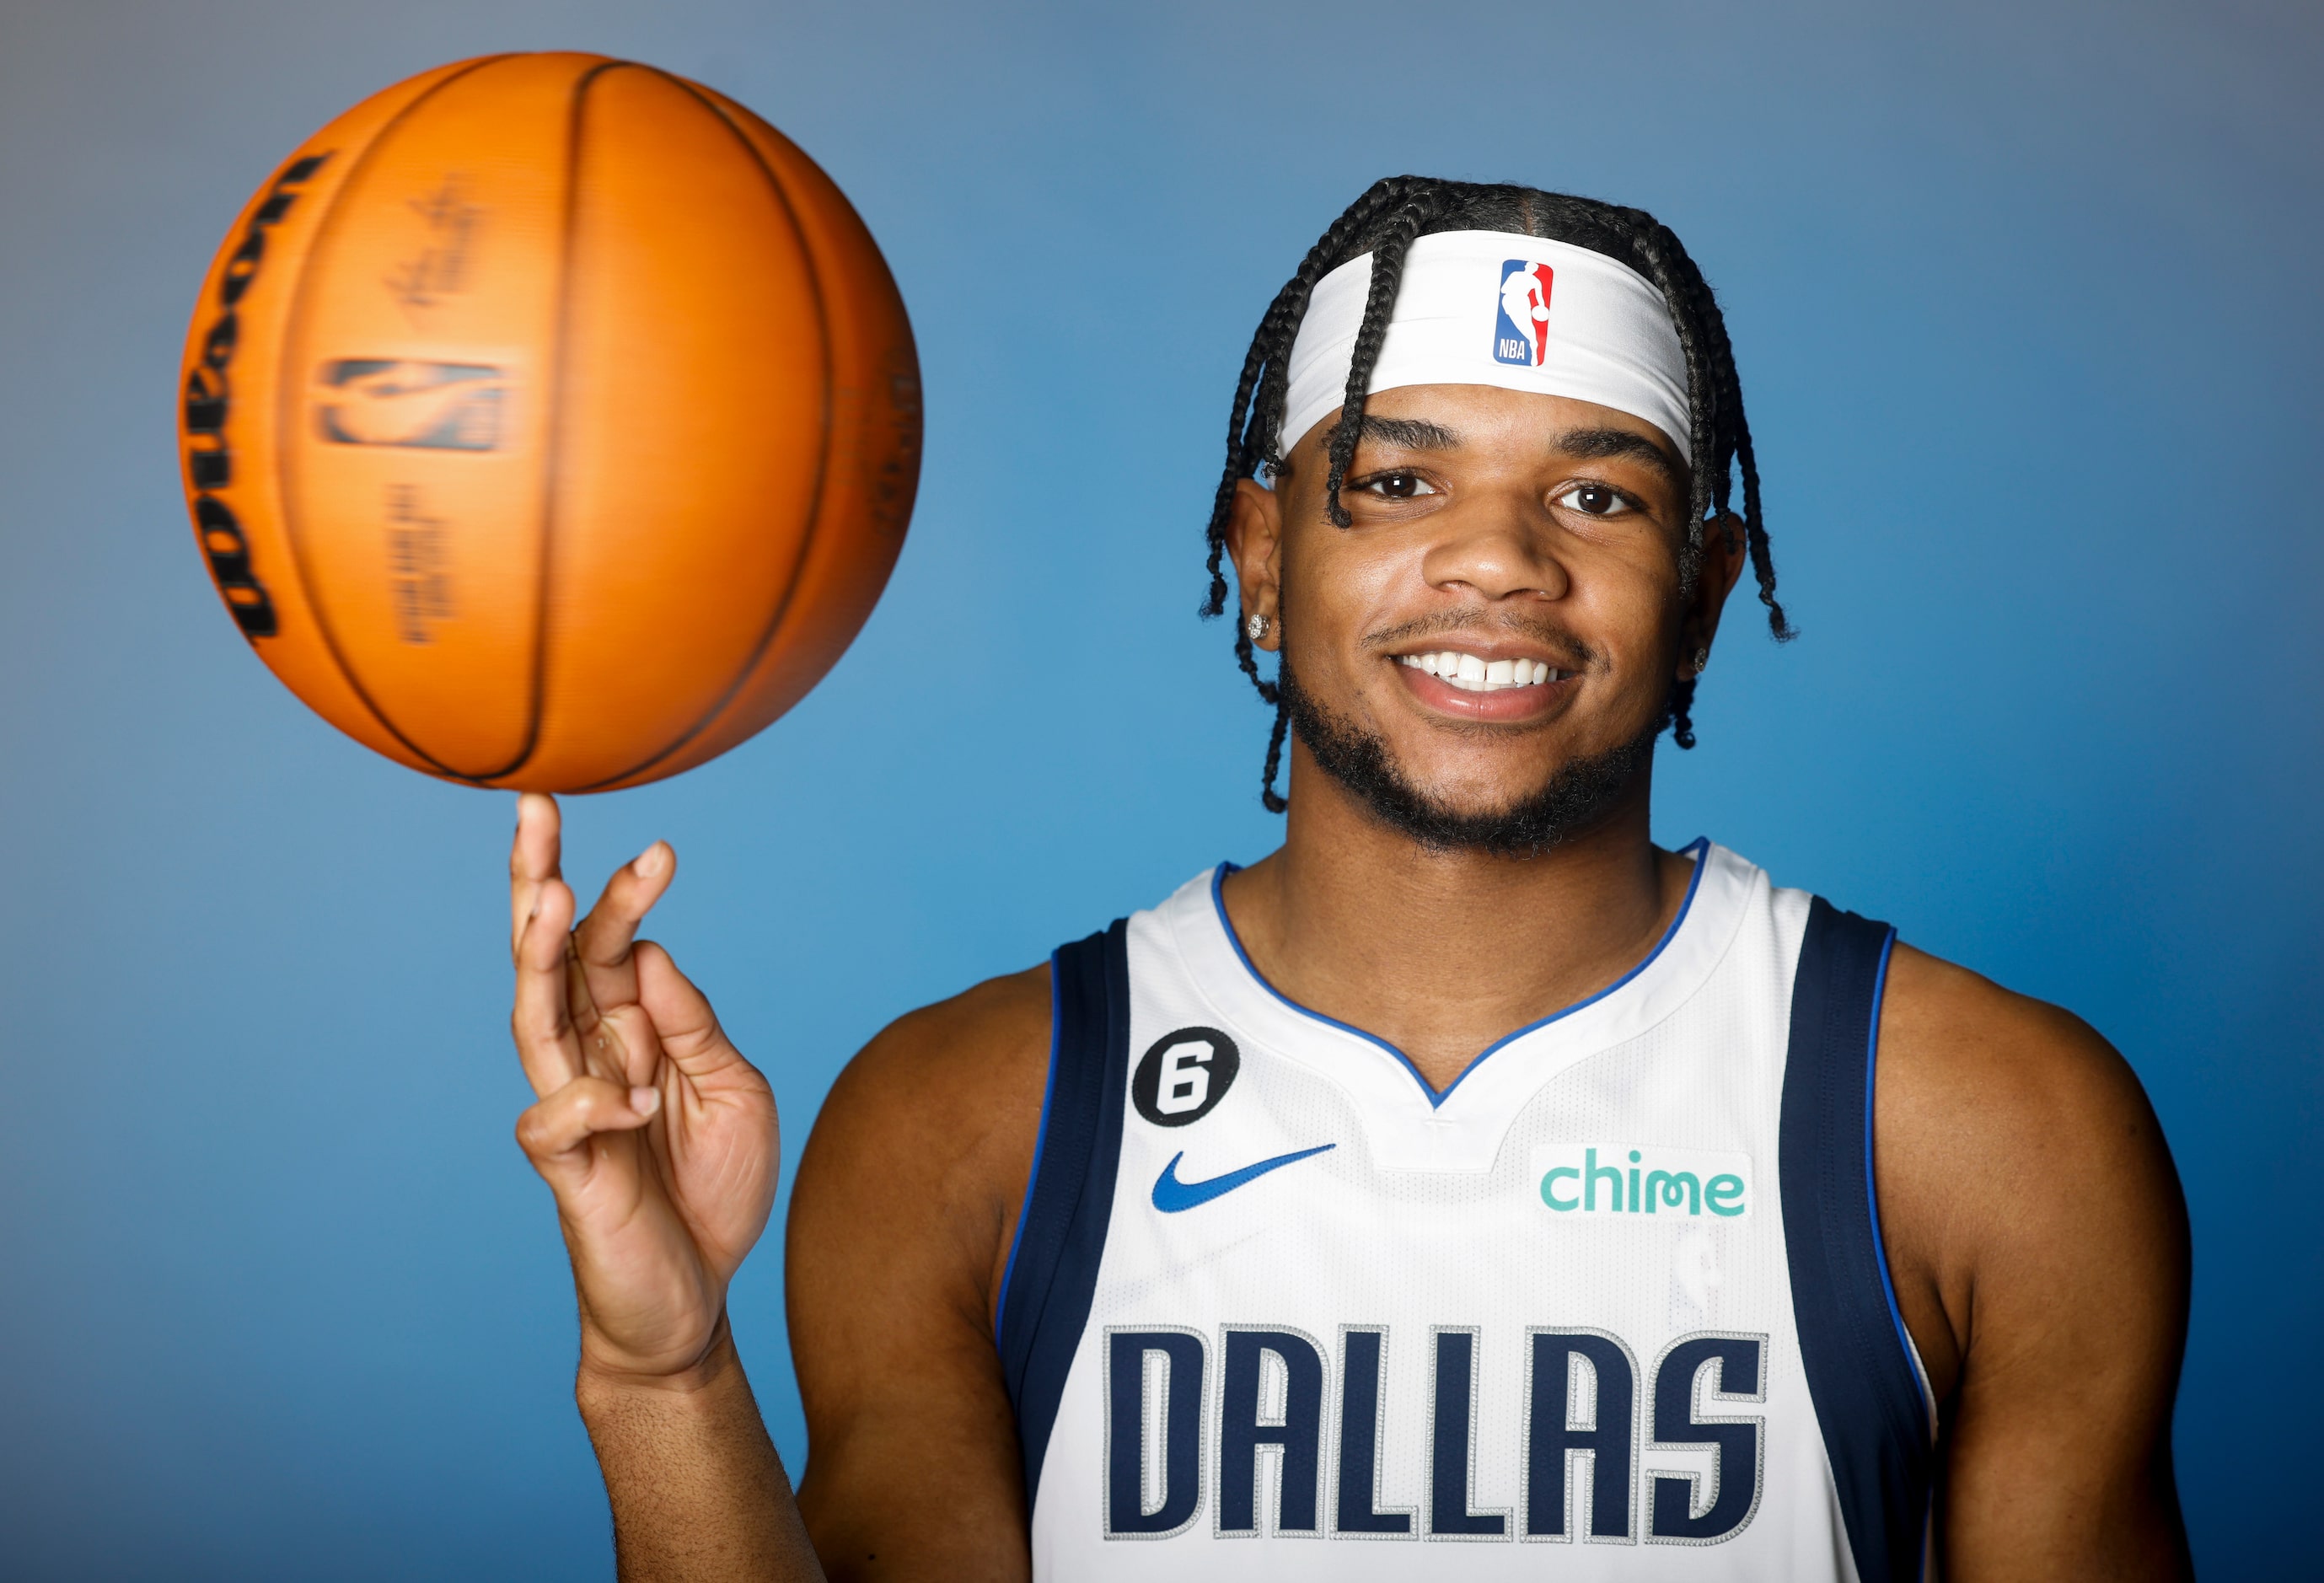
{"x": 1622, "y": 599}
{"x": 1337, "y": 588}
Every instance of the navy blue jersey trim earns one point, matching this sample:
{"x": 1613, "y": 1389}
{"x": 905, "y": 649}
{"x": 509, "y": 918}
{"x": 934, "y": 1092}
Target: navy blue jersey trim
{"x": 1040, "y": 1141}
{"x": 1857, "y": 1352}
{"x": 1700, "y": 848}
{"x": 1052, "y": 1275}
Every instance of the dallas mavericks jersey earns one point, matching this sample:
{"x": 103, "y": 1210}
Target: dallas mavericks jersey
{"x": 1611, "y": 1306}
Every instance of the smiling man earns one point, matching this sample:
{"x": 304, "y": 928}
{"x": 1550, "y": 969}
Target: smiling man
{"x": 1467, "y": 1176}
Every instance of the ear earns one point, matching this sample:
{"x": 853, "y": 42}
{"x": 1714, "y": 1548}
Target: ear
{"x": 1723, "y": 559}
{"x": 1255, "y": 541}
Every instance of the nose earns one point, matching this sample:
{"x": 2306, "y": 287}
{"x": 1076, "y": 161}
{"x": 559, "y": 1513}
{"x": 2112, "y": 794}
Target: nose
{"x": 1493, "y": 550}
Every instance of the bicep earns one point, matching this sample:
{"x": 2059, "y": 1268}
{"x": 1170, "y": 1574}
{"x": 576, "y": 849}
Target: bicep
{"x": 905, "y": 1197}
{"x": 2064, "y": 1239}
{"x": 912, "y": 1466}
{"x": 2058, "y": 1464}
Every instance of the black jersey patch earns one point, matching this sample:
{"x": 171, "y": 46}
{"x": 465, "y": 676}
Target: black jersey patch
{"x": 1185, "y": 1075}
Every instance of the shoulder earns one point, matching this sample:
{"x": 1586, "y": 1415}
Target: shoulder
{"x": 2019, "y": 1163}
{"x": 962, "y": 1052}
{"x": 2005, "y": 1067}
{"x": 927, "y": 1139}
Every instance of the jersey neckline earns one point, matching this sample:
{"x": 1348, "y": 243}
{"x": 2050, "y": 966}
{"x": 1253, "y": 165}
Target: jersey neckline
{"x": 1699, "y": 850}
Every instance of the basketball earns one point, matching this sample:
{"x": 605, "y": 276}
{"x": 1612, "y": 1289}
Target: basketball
{"x": 550, "y": 422}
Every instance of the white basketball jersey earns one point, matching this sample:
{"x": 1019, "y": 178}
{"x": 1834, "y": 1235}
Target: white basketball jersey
{"x": 1612, "y": 1305}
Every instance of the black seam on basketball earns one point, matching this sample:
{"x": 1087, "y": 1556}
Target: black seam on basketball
{"x": 285, "y": 427}
{"x": 823, "y": 456}
{"x": 553, "y": 385}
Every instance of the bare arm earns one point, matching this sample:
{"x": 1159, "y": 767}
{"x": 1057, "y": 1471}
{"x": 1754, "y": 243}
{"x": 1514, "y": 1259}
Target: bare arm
{"x": 2039, "y": 1244}
{"x": 660, "y": 1142}
{"x": 697, "y": 1489}
{"x": 907, "y": 1201}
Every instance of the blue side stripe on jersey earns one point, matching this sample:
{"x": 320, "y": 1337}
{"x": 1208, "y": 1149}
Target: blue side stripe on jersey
{"x": 1700, "y": 848}
{"x": 1052, "y": 1272}
{"x": 1871, "y": 1188}
{"x": 1852, "y": 1341}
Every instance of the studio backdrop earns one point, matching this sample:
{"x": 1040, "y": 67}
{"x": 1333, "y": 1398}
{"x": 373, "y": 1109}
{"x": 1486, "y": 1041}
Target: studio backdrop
{"x": 2023, "y": 299}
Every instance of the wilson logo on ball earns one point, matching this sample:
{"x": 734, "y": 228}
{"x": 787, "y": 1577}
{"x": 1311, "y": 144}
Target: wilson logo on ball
{"x": 209, "y": 401}
{"x": 423, "y": 406}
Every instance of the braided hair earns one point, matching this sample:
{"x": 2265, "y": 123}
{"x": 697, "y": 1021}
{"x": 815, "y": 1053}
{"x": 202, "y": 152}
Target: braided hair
{"x": 1384, "y": 222}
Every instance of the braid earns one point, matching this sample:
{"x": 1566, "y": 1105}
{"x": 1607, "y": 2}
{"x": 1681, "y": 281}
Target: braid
{"x": 1754, "y": 536}
{"x": 1380, "y": 302}
{"x": 1392, "y": 214}
{"x": 1682, "y": 710}
{"x": 1727, "y": 388}
{"x": 1256, "y": 413}
{"x": 1259, "y": 392}
{"x": 1268, "y": 798}
{"x": 1223, "y": 504}
{"x": 1710, "y": 378}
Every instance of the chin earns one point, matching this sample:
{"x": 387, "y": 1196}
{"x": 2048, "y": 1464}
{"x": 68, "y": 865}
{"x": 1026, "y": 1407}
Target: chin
{"x": 1466, "y": 792}
{"x": 1479, "y": 801}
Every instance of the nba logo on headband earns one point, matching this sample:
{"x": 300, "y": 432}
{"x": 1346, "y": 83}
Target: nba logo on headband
{"x": 1521, "y": 334}
{"x": 1611, "y": 342}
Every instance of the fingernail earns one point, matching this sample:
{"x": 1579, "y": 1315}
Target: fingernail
{"x": 645, "y": 1101}
{"x": 649, "y": 863}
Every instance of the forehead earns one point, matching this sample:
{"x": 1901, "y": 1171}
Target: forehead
{"x": 1489, "y": 419}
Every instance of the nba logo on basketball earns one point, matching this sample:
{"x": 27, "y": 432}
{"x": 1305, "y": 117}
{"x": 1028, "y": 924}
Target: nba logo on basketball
{"x": 1521, "y": 335}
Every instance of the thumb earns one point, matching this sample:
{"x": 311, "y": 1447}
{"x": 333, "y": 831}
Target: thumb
{"x": 553, "y": 1131}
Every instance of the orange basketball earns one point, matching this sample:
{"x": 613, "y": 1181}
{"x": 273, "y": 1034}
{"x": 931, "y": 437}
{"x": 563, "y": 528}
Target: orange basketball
{"x": 550, "y": 422}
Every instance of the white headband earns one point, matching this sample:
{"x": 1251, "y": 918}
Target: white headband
{"x": 1489, "y": 308}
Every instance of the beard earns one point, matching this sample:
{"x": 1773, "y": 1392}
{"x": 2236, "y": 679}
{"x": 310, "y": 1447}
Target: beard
{"x": 1576, "y": 798}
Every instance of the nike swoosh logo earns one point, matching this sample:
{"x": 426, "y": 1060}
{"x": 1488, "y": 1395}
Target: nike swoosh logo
{"x": 1172, "y": 1196}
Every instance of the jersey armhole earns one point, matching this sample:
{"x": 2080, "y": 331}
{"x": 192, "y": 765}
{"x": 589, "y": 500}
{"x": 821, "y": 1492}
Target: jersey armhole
{"x": 1051, "y": 1276}
{"x": 1872, "y": 1193}
{"x": 1863, "y": 1373}
{"x": 1040, "y": 1144}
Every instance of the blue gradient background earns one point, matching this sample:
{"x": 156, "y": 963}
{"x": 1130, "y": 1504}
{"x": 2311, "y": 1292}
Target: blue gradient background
{"x": 2026, "y": 302}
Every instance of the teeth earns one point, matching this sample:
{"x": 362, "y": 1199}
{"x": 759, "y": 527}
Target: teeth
{"x": 1471, "y": 673}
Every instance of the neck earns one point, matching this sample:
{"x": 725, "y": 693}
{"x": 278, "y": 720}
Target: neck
{"x": 1442, "y": 952}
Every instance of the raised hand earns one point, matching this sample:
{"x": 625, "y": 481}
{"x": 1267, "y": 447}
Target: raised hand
{"x": 658, "y": 1139}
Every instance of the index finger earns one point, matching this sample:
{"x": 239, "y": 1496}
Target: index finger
{"x": 534, "y": 858}
{"x": 543, "y": 1023}
{"x": 601, "y": 942}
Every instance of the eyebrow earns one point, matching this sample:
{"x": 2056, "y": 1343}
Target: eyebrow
{"x": 1593, "y": 445}
{"x": 1587, "y": 445}
{"x": 1411, "y": 433}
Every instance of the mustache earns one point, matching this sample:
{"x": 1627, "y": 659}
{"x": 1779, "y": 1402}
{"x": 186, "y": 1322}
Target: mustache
{"x": 1570, "y": 651}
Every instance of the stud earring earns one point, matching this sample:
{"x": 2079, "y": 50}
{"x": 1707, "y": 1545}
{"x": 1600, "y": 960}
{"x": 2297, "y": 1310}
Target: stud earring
{"x": 1256, "y": 627}
{"x": 1701, "y": 661}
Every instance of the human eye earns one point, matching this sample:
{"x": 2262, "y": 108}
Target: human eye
{"x": 1594, "y": 499}
{"x": 1395, "y": 486}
